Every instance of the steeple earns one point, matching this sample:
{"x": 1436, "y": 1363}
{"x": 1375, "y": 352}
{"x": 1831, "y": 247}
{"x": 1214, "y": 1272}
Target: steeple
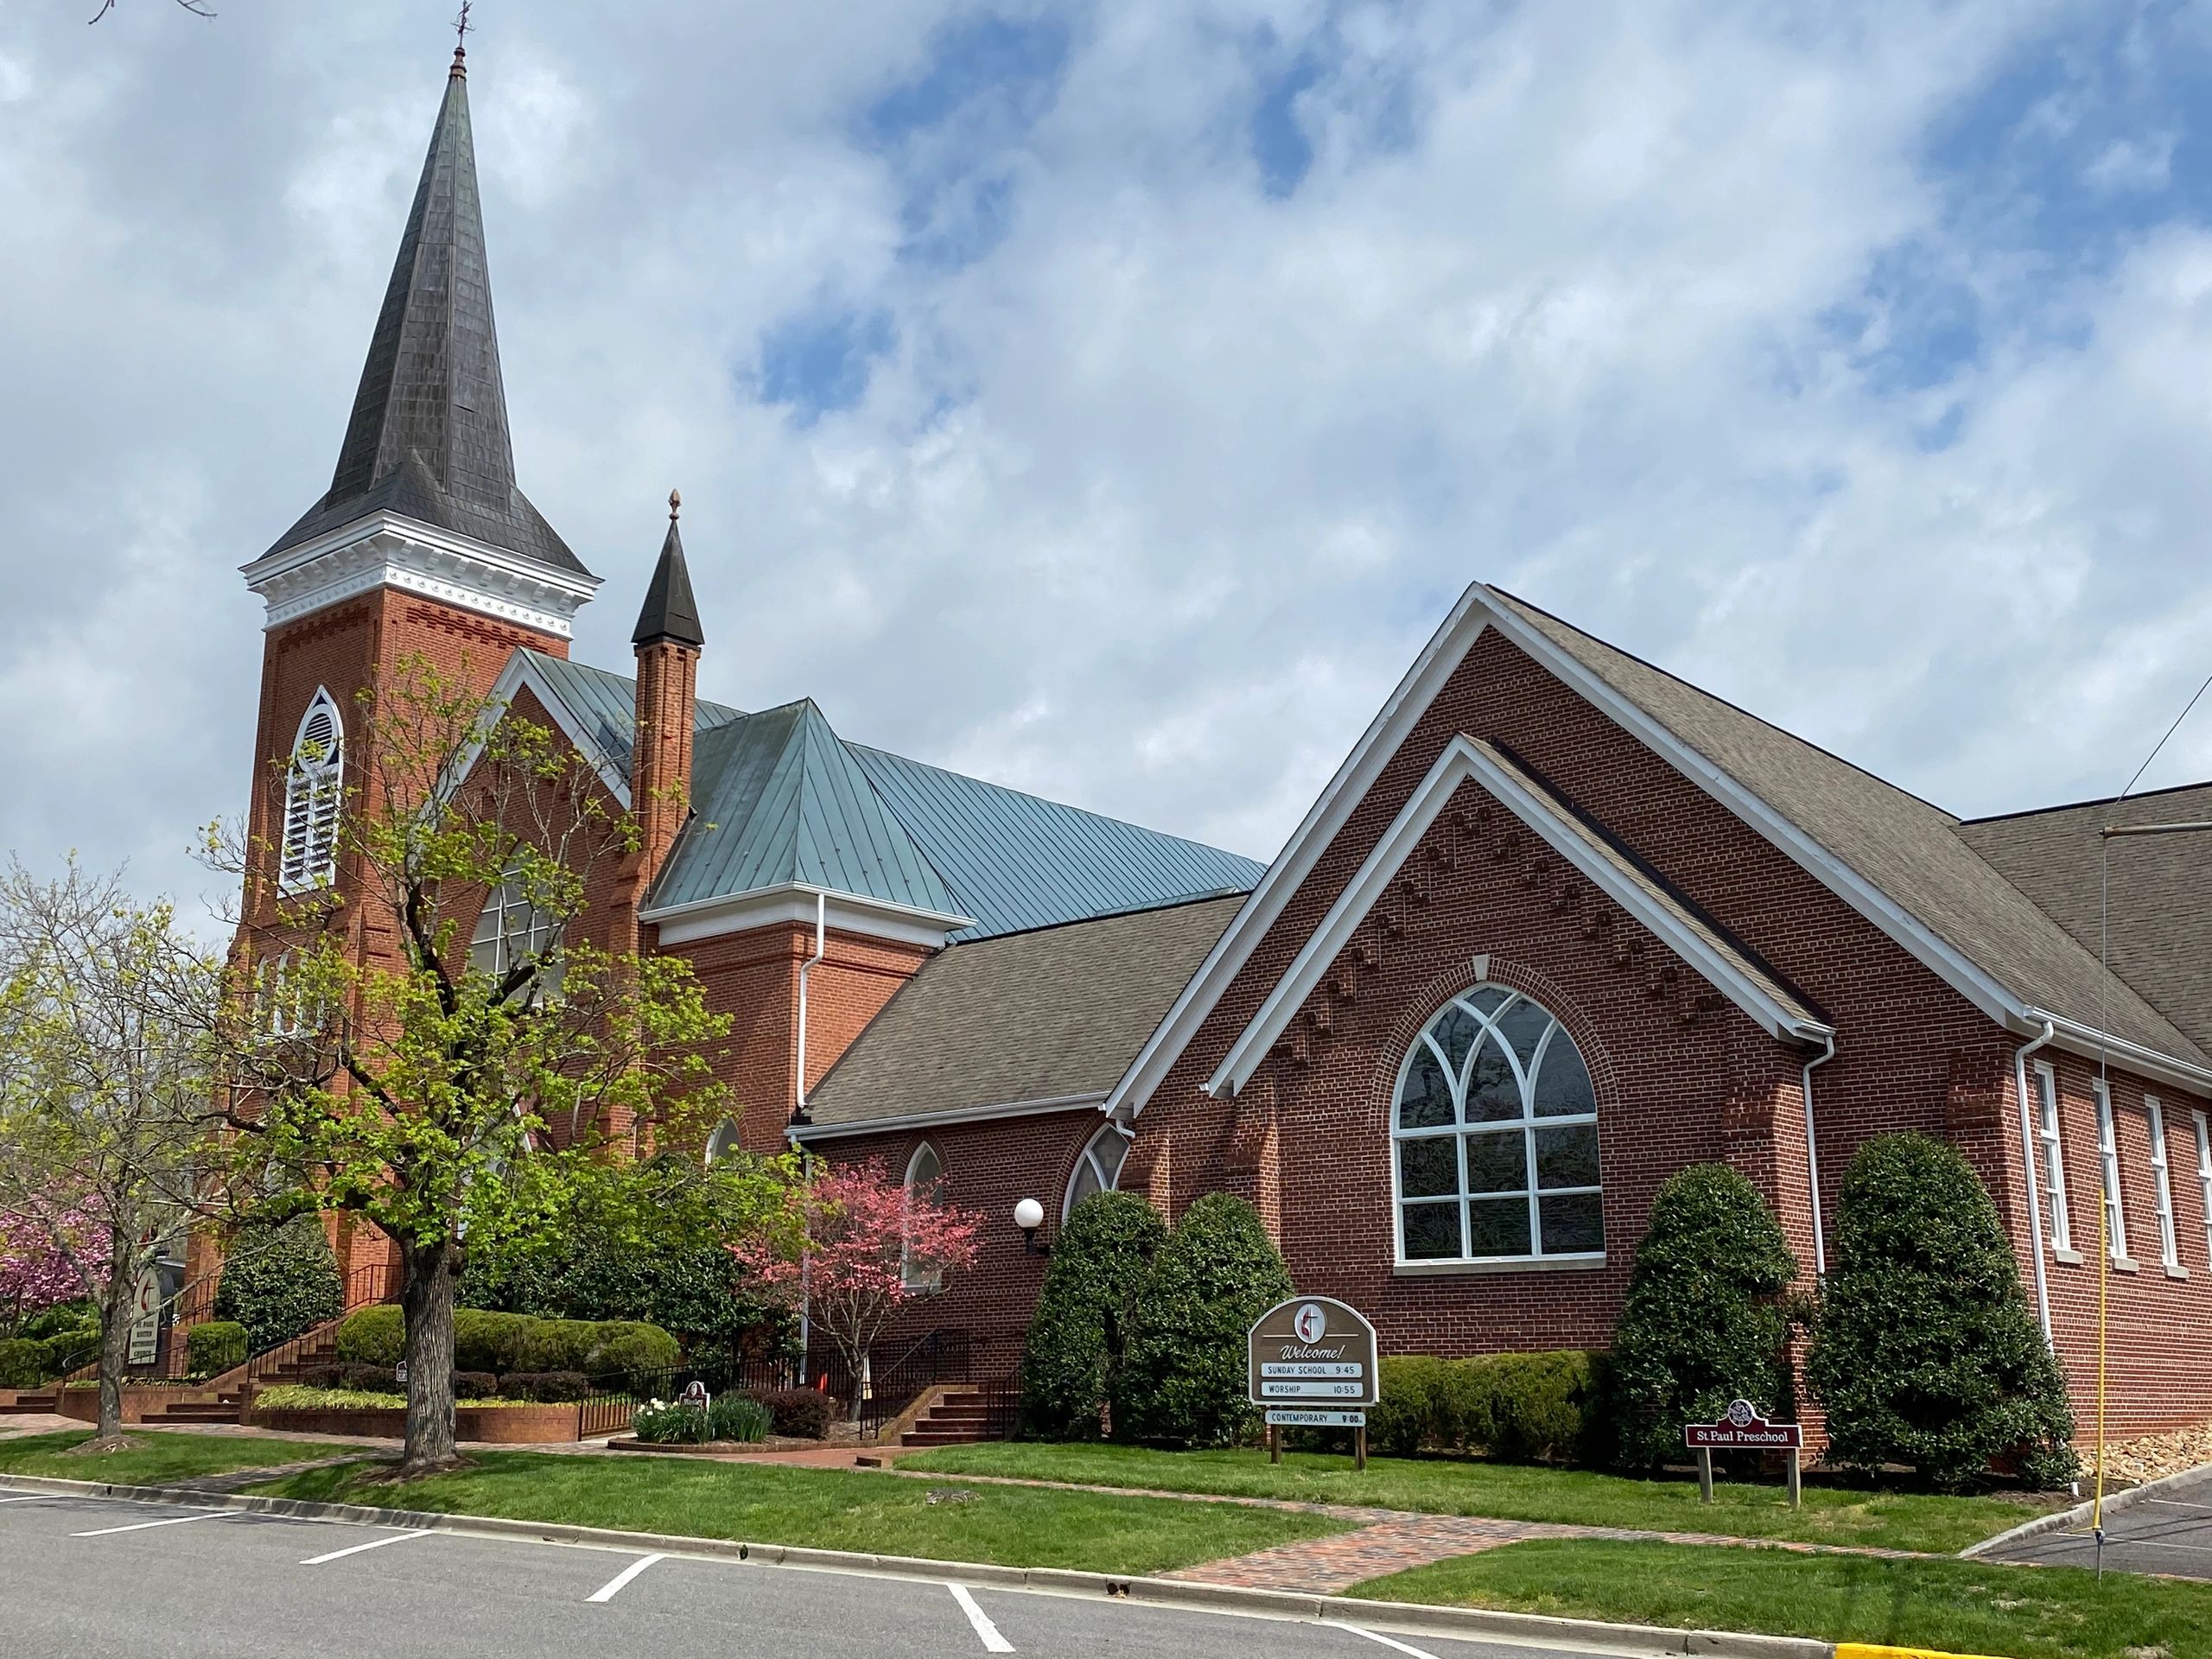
{"x": 429, "y": 438}
{"x": 670, "y": 612}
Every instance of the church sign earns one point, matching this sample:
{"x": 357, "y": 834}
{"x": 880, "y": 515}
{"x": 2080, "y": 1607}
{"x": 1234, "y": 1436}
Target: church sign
{"x": 1312, "y": 1365}
{"x": 1744, "y": 1429}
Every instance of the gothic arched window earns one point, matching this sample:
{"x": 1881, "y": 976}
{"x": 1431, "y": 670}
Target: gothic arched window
{"x": 1494, "y": 1133}
{"x": 1097, "y": 1167}
{"x": 924, "y": 1180}
{"x": 723, "y": 1141}
{"x": 314, "y": 790}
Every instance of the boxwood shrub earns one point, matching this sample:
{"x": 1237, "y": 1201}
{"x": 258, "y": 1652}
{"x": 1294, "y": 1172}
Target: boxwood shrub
{"x": 215, "y": 1346}
{"x": 617, "y": 1352}
{"x": 547, "y": 1388}
{"x": 801, "y": 1414}
{"x": 1185, "y": 1381}
{"x": 1520, "y": 1407}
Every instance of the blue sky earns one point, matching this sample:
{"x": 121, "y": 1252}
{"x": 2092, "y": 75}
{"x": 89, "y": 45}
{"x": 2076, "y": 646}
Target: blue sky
{"x": 1109, "y": 400}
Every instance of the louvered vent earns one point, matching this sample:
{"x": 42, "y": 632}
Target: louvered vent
{"x": 314, "y": 791}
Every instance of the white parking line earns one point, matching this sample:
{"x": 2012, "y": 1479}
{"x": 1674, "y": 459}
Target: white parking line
{"x": 1391, "y": 1642}
{"x": 35, "y": 1497}
{"x": 141, "y": 1526}
{"x": 613, "y": 1588}
{"x": 355, "y": 1550}
{"x": 2176, "y": 1503}
{"x": 992, "y": 1642}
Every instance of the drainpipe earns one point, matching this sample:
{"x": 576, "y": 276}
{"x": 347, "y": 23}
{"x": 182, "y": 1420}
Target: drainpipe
{"x": 798, "y": 1116}
{"x": 2028, "y": 1160}
{"x": 1813, "y": 1161}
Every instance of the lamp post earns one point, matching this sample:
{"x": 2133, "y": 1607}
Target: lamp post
{"x": 1029, "y": 1216}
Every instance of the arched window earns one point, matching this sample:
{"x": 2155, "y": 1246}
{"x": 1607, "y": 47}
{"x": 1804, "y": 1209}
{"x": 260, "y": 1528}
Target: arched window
{"x": 924, "y": 1180}
{"x": 1494, "y": 1132}
{"x": 314, "y": 789}
{"x": 723, "y": 1141}
{"x": 511, "y": 930}
{"x": 1097, "y": 1167}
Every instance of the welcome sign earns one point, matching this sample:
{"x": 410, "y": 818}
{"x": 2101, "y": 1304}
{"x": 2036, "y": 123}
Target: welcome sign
{"x": 1313, "y": 1354}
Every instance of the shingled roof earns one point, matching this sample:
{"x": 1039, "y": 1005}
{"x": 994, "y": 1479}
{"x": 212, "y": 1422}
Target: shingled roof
{"x": 428, "y": 437}
{"x": 1053, "y": 1015}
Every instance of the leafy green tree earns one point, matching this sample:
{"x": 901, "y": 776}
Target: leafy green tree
{"x": 1924, "y": 1351}
{"x": 1078, "y": 1340}
{"x": 396, "y": 1063}
{"x": 107, "y": 1019}
{"x": 279, "y": 1281}
{"x": 1702, "y": 1323}
{"x": 1185, "y": 1378}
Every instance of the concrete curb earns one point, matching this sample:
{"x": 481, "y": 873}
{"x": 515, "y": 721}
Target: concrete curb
{"x": 2066, "y": 1520}
{"x": 1409, "y": 1617}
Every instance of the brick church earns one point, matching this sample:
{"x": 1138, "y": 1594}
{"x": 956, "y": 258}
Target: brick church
{"x": 1560, "y": 925}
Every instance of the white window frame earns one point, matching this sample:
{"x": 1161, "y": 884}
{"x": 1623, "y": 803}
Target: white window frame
{"x": 2203, "y": 1127}
{"x": 2115, "y": 1212}
{"x": 314, "y": 793}
{"x": 2169, "y": 1242}
{"x": 1459, "y": 1130}
{"x": 510, "y": 929}
{"x": 723, "y": 1141}
{"x": 1105, "y": 1170}
{"x": 934, "y": 1279}
{"x": 2050, "y": 1139}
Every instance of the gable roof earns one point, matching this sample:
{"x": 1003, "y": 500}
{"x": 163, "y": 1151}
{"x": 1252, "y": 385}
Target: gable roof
{"x": 1041, "y": 1020}
{"x": 1897, "y": 860}
{"x": 427, "y": 437}
{"x": 782, "y": 801}
{"x": 2157, "y": 892}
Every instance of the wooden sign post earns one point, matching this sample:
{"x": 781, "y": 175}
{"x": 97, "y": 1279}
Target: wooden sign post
{"x": 1313, "y": 1364}
{"x": 1743, "y": 1430}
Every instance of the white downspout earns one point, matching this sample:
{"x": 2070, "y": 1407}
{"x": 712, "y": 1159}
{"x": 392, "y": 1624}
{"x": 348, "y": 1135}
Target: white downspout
{"x": 2027, "y": 1158}
{"x": 1813, "y": 1161}
{"x": 798, "y": 1115}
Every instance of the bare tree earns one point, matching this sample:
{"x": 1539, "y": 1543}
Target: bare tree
{"x": 197, "y": 7}
{"x": 107, "y": 1013}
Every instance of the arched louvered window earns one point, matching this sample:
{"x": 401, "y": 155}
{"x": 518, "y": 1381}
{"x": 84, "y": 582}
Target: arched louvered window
{"x": 1097, "y": 1167}
{"x": 924, "y": 1180}
{"x": 1494, "y": 1137}
{"x": 314, "y": 791}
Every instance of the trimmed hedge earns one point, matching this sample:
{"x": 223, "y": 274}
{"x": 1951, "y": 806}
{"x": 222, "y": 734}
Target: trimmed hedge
{"x": 1702, "y": 1324}
{"x": 1078, "y": 1340}
{"x": 1519, "y": 1407}
{"x": 372, "y": 1336}
{"x": 280, "y": 1282}
{"x": 1185, "y": 1380}
{"x": 474, "y": 1385}
{"x": 215, "y": 1346}
{"x": 353, "y": 1377}
{"x": 801, "y": 1414}
{"x": 615, "y": 1350}
{"x": 1925, "y": 1352}
{"x": 547, "y": 1388}
{"x": 22, "y": 1363}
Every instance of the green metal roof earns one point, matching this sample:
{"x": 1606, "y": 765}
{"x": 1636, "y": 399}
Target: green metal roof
{"x": 779, "y": 798}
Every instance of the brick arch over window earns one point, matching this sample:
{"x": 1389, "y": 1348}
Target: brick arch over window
{"x": 1494, "y": 1143}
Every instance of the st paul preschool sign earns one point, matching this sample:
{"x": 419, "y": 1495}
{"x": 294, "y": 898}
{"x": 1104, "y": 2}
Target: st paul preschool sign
{"x": 1744, "y": 1429}
{"x": 1312, "y": 1365}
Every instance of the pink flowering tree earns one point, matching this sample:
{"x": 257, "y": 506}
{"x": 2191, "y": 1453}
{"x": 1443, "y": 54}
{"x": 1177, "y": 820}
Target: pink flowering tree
{"x": 855, "y": 1246}
{"x": 48, "y": 1259}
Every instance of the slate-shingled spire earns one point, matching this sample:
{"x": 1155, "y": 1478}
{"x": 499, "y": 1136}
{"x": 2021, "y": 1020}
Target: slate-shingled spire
{"x": 670, "y": 612}
{"x": 429, "y": 434}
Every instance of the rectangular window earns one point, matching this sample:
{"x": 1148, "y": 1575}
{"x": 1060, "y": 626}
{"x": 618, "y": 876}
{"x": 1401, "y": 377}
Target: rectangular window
{"x": 2204, "y": 1176}
{"x": 2169, "y": 1245}
{"x": 2109, "y": 1154}
{"x": 2054, "y": 1162}
{"x": 510, "y": 931}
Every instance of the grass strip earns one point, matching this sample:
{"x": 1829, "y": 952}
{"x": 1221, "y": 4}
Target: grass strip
{"x": 829, "y": 1509}
{"x": 2025, "y": 1613}
{"x": 1831, "y": 1515}
{"x": 157, "y": 1456}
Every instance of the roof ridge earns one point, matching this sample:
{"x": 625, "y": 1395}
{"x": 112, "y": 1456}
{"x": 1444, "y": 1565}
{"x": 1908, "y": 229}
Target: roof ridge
{"x": 1181, "y": 902}
{"x": 1714, "y": 697}
{"x": 2115, "y": 801}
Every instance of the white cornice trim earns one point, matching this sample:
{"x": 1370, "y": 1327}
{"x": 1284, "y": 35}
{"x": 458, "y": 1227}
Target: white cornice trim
{"x": 2092, "y": 1043}
{"x": 798, "y": 1133}
{"x": 1447, "y": 647}
{"x": 794, "y": 901}
{"x": 1461, "y": 760}
{"x": 387, "y": 550}
{"x": 521, "y": 673}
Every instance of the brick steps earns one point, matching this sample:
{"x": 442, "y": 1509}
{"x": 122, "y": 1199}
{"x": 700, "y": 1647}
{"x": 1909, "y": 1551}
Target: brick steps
{"x": 960, "y": 1417}
{"x": 29, "y": 1405}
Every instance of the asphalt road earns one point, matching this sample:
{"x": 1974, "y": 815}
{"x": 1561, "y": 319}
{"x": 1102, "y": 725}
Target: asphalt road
{"x": 84, "y": 1577}
{"x": 2171, "y": 1533}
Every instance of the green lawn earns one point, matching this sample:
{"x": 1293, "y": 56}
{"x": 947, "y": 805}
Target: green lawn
{"x": 160, "y": 1455}
{"x": 2026, "y": 1612}
{"x": 1832, "y": 1514}
{"x": 831, "y": 1508}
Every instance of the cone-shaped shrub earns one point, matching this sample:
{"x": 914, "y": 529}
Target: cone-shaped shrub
{"x": 1701, "y": 1326}
{"x": 280, "y": 1281}
{"x": 1925, "y": 1353}
{"x": 1080, "y": 1335}
{"x": 1185, "y": 1380}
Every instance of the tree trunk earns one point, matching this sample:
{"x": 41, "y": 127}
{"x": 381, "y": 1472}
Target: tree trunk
{"x": 116, "y": 1308}
{"x": 426, "y": 1300}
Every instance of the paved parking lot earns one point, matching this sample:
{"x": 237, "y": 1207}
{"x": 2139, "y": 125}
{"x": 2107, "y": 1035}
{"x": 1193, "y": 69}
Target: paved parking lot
{"x": 90, "y": 1577}
{"x": 2170, "y": 1533}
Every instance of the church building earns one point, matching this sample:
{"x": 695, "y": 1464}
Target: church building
{"x": 1560, "y": 924}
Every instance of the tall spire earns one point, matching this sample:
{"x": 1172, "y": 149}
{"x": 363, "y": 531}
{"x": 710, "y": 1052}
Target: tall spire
{"x": 429, "y": 435}
{"x": 669, "y": 611}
